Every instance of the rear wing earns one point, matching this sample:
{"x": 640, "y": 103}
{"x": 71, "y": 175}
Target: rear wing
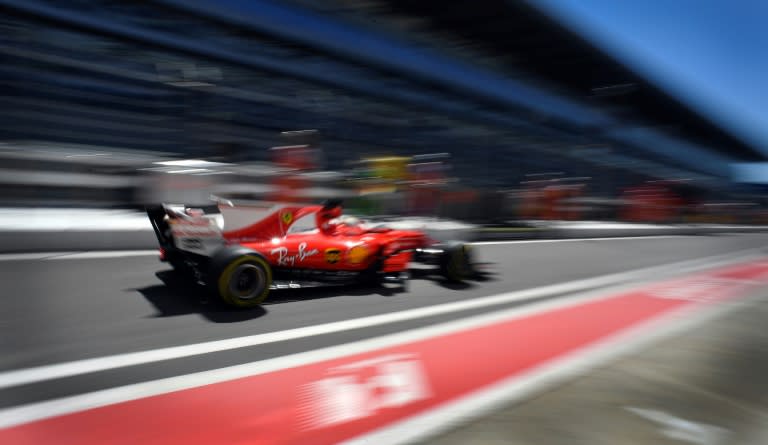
{"x": 196, "y": 230}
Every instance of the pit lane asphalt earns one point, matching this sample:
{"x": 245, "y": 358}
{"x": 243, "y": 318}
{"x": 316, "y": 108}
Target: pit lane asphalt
{"x": 59, "y": 310}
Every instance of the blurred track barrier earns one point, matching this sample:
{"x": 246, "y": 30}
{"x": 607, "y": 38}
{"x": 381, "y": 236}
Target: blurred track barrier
{"x": 44, "y": 174}
{"x": 601, "y": 229}
{"x": 392, "y": 389}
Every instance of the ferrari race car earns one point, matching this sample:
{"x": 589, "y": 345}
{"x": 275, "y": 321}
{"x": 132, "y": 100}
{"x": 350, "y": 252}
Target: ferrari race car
{"x": 241, "y": 266}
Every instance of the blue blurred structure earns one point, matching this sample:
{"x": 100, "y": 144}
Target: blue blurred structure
{"x": 224, "y": 78}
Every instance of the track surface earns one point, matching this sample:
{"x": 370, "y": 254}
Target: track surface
{"x": 63, "y": 309}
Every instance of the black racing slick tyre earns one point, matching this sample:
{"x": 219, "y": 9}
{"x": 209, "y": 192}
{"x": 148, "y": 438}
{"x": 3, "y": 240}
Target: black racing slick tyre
{"x": 456, "y": 262}
{"x": 241, "y": 278}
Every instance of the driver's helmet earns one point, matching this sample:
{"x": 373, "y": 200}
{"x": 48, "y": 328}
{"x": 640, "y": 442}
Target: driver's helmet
{"x": 332, "y": 213}
{"x": 325, "y": 217}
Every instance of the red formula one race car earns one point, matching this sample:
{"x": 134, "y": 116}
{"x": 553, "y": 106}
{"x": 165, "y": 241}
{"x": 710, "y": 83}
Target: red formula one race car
{"x": 242, "y": 265}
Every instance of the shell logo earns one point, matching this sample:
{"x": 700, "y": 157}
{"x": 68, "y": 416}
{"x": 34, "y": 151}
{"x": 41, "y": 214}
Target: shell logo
{"x": 332, "y": 255}
{"x": 357, "y": 254}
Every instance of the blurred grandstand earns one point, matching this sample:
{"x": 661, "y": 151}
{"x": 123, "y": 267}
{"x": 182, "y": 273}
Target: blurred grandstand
{"x": 497, "y": 111}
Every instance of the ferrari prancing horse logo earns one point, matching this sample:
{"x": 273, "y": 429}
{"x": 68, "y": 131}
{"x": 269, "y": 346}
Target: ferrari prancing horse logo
{"x": 287, "y": 217}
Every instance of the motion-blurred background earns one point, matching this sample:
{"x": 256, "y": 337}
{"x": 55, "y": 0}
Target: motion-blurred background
{"x": 492, "y": 112}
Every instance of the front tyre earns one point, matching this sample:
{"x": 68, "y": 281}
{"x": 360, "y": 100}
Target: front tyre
{"x": 244, "y": 280}
{"x": 456, "y": 263}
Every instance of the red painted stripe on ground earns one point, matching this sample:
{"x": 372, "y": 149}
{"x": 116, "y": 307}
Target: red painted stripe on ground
{"x": 335, "y": 400}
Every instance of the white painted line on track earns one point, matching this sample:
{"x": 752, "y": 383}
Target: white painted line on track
{"x": 85, "y": 366}
{"x": 571, "y": 240}
{"x": 537, "y": 378}
{"x": 30, "y": 256}
{"x": 79, "y": 255}
{"x": 105, "y": 254}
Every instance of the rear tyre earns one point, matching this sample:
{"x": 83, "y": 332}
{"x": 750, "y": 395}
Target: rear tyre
{"x": 242, "y": 279}
{"x": 456, "y": 263}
